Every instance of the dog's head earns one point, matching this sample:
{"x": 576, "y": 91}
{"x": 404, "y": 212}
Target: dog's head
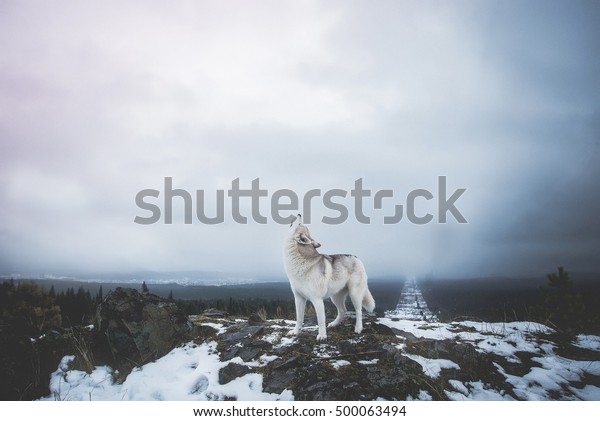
{"x": 301, "y": 234}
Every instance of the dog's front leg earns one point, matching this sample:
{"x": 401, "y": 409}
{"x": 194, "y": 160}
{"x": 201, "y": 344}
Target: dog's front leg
{"x": 320, "y": 310}
{"x": 300, "y": 306}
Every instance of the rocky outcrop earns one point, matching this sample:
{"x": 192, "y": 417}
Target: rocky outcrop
{"x": 347, "y": 367}
{"x": 392, "y": 359}
{"x": 140, "y": 327}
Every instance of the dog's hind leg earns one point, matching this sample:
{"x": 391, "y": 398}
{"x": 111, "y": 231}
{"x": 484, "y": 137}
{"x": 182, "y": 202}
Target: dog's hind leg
{"x": 300, "y": 306}
{"x": 320, "y": 310}
{"x": 339, "y": 299}
{"x": 356, "y": 295}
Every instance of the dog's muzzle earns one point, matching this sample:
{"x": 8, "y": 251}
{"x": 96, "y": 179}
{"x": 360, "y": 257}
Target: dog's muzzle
{"x": 294, "y": 219}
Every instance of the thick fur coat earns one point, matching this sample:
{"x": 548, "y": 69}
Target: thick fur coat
{"x": 314, "y": 276}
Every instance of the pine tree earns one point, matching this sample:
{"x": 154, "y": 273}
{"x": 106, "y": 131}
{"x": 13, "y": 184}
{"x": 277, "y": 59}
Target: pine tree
{"x": 560, "y": 280}
{"x": 99, "y": 296}
{"x": 145, "y": 287}
{"x": 563, "y": 305}
{"x": 30, "y": 303}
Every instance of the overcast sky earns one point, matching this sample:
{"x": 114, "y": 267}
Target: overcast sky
{"x": 101, "y": 99}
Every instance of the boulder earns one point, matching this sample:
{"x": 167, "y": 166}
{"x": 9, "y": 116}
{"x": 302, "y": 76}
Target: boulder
{"x": 244, "y": 343}
{"x": 203, "y": 333}
{"x": 231, "y": 372}
{"x": 280, "y": 375}
{"x": 213, "y": 312}
{"x": 319, "y": 382}
{"x": 141, "y": 327}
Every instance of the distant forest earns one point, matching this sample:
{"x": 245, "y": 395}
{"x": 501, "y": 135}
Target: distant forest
{"x": 36, "y": 306}
{"x": 36, "y": 310}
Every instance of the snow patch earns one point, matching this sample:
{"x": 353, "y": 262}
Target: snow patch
{"x": 433, "y": 367}
{"x": 588, "y": 393}
{"x": 190, "y": 372}
{"x": 263, "y": 360}
{"x": 590, "y": 342}
{"x": 339, "y": 363}
{"x": 422, "y": 396}
{"x": 478, "y": 391}
{"x": 219, "y": 327}
{"x": 374, "y": 361}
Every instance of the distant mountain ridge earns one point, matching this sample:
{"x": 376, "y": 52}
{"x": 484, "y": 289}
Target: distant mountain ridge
{"x": 183, "y": 278}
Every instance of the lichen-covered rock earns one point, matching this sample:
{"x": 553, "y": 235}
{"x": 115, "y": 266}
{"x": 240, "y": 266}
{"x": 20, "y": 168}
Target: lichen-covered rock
{"x": 244, "y": 343}
{"x": 231, "y": 372}
{"x": 346, "y": 368}
{"x": 141, "y": 327}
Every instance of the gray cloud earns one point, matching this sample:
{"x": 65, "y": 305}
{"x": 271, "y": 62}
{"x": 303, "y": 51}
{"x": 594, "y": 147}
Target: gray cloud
{"x": 101, "y": 100}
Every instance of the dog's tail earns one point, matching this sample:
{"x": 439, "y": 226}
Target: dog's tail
{"x": 368, "y": 302}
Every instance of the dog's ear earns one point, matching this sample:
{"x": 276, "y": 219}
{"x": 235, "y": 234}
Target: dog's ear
{"x": 303, "y": 239}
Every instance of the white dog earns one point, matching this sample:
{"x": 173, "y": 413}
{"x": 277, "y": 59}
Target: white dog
{"x": 314, "y": 276}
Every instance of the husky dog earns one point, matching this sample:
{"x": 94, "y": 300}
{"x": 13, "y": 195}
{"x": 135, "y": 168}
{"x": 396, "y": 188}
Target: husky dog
{"x": 314, "y": 276}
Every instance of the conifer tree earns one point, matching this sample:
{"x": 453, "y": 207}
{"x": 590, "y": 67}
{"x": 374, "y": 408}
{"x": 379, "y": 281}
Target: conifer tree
{"x": 563, "y": 305}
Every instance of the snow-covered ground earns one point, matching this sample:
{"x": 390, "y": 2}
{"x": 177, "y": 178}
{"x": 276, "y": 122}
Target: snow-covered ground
{"x": 191, "y": 372}
{"x": 412, "y": 305}
{"x": 552, "y": 374}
